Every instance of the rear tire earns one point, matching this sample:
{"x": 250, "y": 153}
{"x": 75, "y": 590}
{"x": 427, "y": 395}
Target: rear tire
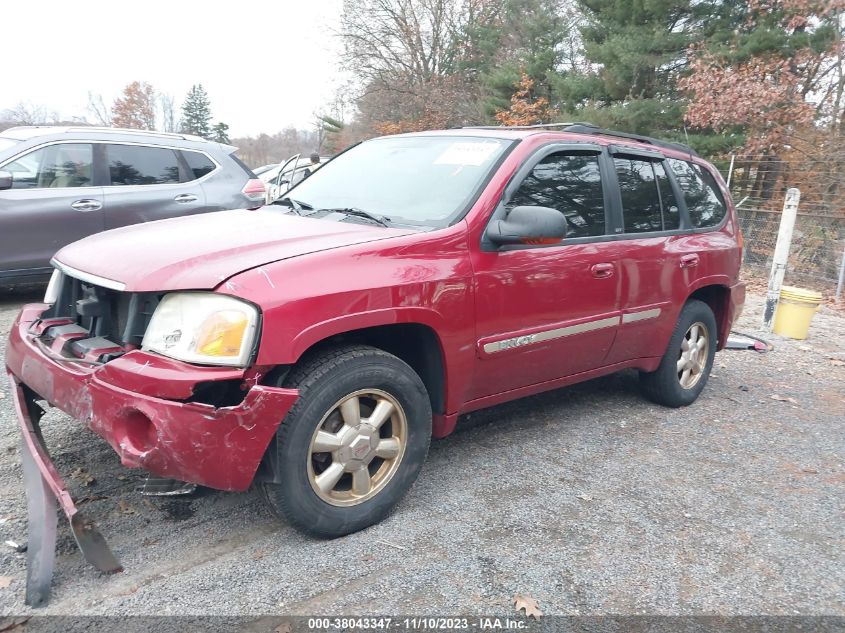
{"x": 685, "y": 367}
{"x": 353, "y": 443}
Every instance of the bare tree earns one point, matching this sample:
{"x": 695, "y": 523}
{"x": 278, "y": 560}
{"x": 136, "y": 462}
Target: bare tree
{"x": 29, "y": 114}
{"x": 167, "y": 112}
{"x": 410, "y": 40}
{"x": 99, "y": 110}
{"x": 266, "y": 148}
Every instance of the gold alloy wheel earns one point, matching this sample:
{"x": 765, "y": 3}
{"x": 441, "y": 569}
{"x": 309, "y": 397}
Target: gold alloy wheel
{"x": 357, "y": 447}
{"x": 693, "y": 357}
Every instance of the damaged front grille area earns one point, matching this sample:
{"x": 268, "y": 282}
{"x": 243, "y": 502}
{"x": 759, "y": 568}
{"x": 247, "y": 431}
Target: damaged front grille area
{"x": 100, "y": 323}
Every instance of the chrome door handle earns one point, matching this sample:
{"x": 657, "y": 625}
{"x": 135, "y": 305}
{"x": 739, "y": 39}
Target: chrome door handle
{"x": 185, "y": 197}
{"x": 689, "y": 261}
{"x": 602, "y": 271}
{"x": 86, "y": 205}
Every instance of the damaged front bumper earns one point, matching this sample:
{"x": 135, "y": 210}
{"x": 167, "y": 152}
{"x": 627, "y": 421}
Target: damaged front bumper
{"x": 137, "y": 403}
{"x": 44, "y": 487}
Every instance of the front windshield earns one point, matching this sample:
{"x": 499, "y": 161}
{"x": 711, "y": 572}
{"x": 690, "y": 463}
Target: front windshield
{"x": 418, "y": 180}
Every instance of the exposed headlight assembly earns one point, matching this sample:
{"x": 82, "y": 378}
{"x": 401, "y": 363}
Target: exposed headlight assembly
{"x": 204, "y": 328}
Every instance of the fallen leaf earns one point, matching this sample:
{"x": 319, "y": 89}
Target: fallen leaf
{"x": 284, "y": 627}
{"x": 368, "y": 558}
{"x": 810, "y": 471}
{"x": 258, "y": 555}
{"x": 5, "y": 581}
{"x": 81, "y": 474}
{"x": 149, "y": 541}
{"x": 775, "y": 396}
{"x": 124, "y": 508}
{"x": 121, "y": 477}
{"x": 529, "y": 605}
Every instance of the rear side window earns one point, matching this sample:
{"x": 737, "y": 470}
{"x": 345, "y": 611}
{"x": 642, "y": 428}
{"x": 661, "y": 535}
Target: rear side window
{"x": 199, "y": 163}
{"x": 704, "y": 201}
{"x": 54, "y": 166}
{"x": 570, "y": 183}
{"x": 140, "y": 165}
{"x": 640, "y": 199}
{"x": 648, "y": 202}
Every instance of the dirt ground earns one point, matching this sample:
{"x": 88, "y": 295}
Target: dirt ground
{"x": 588, "y": 499}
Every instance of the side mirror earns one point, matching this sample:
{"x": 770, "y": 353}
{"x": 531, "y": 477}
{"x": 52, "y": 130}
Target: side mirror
{"x": 5, "y": 180}
{"x": 528, "y": 225}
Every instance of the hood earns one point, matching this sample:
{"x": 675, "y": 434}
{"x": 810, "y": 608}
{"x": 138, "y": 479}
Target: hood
{"x": 199, "y": 252}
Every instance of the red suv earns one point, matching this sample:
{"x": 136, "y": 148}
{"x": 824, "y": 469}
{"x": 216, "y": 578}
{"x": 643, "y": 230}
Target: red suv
{"x": 315, "y": 346}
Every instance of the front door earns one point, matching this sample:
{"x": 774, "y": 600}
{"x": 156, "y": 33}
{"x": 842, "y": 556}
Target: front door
{"x": 52, "y": 203}
{"x": 545, "y": 312}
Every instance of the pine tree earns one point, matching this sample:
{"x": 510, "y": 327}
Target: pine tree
{"x": 526, "y": 41}
{"x": 220, "y": 132}
{"x": 196, "y": 112}
{"x": 640, "y": 50}
{"x": 329, "y": 130}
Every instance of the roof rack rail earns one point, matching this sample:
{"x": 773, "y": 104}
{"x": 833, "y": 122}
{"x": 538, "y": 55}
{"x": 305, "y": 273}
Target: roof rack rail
{"x": 125, "y": 130}
{"x": 591, "y": 128}
{"x": 58, "y": 129}
{"x": 521, "y": 127}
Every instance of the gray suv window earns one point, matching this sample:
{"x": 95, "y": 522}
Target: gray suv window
{"x": 200, "y": 164}
{"x": 140, "y": 165}
{"x": 53, "y": 166}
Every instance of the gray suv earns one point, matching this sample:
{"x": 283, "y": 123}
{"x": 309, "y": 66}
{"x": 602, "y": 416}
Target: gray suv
{"x": 60, "y": 184}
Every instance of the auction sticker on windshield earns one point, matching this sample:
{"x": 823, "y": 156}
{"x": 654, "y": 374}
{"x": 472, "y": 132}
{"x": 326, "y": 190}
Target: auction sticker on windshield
{"x": 468, "y": 153}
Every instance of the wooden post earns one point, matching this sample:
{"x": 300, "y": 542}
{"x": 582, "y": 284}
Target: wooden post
{"x": 781, "y": 256}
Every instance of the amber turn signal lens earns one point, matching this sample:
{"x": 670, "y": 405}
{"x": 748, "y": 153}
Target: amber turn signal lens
{"x": 222, "y": 334}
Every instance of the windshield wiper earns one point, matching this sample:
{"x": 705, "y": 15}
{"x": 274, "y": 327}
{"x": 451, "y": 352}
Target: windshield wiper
{"x": 360, "y": 213}
{"x": 296, "y": 206}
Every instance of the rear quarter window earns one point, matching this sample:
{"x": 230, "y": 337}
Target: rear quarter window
{"x": 704, "y": 200}
{"x": 199, "y": 164}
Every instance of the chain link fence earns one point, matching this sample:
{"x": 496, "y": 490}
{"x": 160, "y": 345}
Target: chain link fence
{"x": 758, "y": 185}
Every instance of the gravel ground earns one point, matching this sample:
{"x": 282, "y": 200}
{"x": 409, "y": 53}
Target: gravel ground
{"x": 588, "y": 499}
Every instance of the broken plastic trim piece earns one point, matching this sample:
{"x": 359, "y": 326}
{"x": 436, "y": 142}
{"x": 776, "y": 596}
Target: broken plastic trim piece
{"x": 741, "y": 341}
{"x": 44, "y": 488}
{"x": 162, "y": 487}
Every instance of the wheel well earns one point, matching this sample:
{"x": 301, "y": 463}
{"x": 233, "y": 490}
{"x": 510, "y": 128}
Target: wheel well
{"x": 416, "y": 344}
{"x": 717, "y": 297}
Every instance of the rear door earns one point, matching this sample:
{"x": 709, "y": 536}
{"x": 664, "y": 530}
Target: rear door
{"x": 652, "y": 278}
{"x": 146, "y": 183}
{"x": 52, "y": 203}
{"x": 671, "y": 209}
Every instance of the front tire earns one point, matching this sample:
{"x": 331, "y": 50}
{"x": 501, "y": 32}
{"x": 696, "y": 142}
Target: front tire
{"x": 685, "y": 367}
{"x": 354, "y": 442}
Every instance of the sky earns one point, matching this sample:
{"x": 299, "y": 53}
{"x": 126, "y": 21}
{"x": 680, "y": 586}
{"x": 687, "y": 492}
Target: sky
{"x": 265, "y": 64}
